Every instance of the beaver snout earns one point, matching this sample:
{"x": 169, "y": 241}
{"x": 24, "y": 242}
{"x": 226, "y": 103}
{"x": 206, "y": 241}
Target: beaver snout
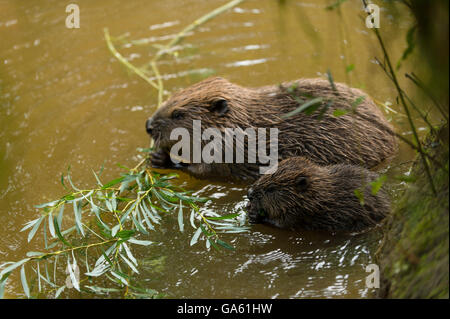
{"x": 250, "y": 193}
{"x": 255, "y": 215}
{"x": 148, "y": 126}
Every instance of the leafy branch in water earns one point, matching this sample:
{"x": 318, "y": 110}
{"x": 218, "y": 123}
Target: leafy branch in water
{"x": 104, "y": 223}
{"x": 165, "y": 49}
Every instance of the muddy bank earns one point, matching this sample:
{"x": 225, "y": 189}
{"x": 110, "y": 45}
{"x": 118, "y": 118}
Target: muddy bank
{"x": 413, "y": 256}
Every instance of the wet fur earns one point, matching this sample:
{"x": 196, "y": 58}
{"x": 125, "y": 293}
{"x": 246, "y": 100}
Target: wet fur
{"x": 301, "y": 194}
{"x": 364, "y": 138}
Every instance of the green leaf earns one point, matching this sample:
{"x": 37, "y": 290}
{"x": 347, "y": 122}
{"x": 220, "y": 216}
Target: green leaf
{"x": 324, "y": 109}
{"x": 335, "y": 5}
{"x": 304, "y": 107}
{"x": 339, "y": 112}
{"x": 98, "y": 179}
{"x": 152, "y": 214}
{"x": 122, "y": 277}
{"x": 2, "y": 285}
{"x": 96, "y": 211}
{"x": 74, "y": 280}
{"x": 140, "y": 242}
{"x": 349, "y": 68}
{"x": 35, "y": 228}
{"x": 113, "y": 182}
{"x": 191, "y": 218}
{"x": 114, "y": 230}
{"x": 34, "y": 253}
{"x": 125, "y": 234}
{"x": 180, "y": 217}
{"x": 224, "y": 244}
{"x": 30, "y": 224}
{"x": 77, "y": 212}
{"x": 69, "y": 178}
{"x": 406, "y": 178}
{"x": 13, "y": 266}
{"x": 360, "y": 196}
{"x": 195, "y": 237}
{"x": 59, "y": 291}
{"x": 171, "y": 197}
{"x": 49, "y": 204}
{"x": 330, "y": 79}
{"x": 58, "y": 233}
{"x": 377, "y": 184}
{"x": 62, "y": 181}
{"x": 129, "y": 254}
{"x": 69, "y": 197}
{"x": 229, "y": 216}
{"x": 129, "y": 263}
{"x": 146, "y": 213}
{"x": 145, "y": 150}
{"x": 60, "y": 216}
{"x": 411, "y": 45}
{"x": 23, "y": 279}
{"x": 139, "y": 226}
{"x": 51, "y": 227}
{"x": 358, "y": 101}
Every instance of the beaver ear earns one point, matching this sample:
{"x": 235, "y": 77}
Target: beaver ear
{"x": 220, "y": 107}
{"x": 301, "y": 183}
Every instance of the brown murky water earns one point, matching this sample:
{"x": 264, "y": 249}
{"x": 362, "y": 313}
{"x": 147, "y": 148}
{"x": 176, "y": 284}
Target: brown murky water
{"x": 65, "y": 100}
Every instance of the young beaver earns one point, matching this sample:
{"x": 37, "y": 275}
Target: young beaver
{"x": 361, "y": 136}
{"x": 301, "y": 194}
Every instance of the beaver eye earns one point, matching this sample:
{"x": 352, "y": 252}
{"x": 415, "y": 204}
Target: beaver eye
{"x": 219, "y": 107}
{"x": 301, "y": 183}
{"x": 271, "y": 189}
{"x": 177, "y": 115}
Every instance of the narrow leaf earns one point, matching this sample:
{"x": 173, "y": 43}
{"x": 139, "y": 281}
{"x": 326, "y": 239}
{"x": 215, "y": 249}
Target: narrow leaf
{"x": 23, "y": 278}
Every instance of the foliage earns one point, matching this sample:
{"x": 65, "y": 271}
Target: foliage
{"x": 103, "y": 225}
{"x": 413, "y": 257}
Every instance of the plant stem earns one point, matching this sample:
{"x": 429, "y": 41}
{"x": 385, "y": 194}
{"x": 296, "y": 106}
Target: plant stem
{"x": 406, "y": 109}
{"x": 124, "y": 61}
{"x": 417, "y": 82}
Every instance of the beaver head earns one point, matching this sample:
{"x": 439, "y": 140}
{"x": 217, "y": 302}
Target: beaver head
{"x": 278, "y": 198}
{"x": 301, "y": 194}
{"x": 214, "y": 101}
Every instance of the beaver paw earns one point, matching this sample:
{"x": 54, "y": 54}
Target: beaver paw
{"x": 161, "y": 159}
{"x": 255, "y": 216}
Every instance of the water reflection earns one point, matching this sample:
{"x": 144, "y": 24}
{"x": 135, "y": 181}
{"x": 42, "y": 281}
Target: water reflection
{"x": 65, "y": 100}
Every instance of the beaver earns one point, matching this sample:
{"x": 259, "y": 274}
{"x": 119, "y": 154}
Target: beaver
{"x": 302, "y": 194}
{"x": 341, "y": 124}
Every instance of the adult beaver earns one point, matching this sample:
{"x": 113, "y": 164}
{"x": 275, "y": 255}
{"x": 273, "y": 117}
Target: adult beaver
{"x": 338, "y": 124}
{"x": 301, "y": 194}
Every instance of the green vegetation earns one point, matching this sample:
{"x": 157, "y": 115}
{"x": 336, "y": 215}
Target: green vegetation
{"x": 413, "y": 257}
{"x": 104, "y": 223}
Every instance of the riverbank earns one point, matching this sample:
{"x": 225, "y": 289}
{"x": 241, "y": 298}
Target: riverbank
{"x": 413, "y": 256}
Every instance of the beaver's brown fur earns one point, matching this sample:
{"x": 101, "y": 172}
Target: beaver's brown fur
{"x": 301, "y": 194}
{"x": 362, "y": 137}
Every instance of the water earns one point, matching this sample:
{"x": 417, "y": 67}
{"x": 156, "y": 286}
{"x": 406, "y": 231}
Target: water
{"x": 64, "y": 100}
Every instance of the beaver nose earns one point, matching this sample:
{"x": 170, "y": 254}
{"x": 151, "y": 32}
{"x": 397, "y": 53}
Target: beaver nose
{"x": 148, "y": 126}
{"x": 250, "y": 193}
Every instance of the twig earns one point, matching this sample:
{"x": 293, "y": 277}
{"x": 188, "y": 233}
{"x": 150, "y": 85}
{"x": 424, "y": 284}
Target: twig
{"x": 423, "y": 116}
{"x": 165, "y": 49}
{"x": 124, "y": 61}
{"x": 180, "y": 36}
{"x": 417, "y": 82}
{"x": 405, "y": 107}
